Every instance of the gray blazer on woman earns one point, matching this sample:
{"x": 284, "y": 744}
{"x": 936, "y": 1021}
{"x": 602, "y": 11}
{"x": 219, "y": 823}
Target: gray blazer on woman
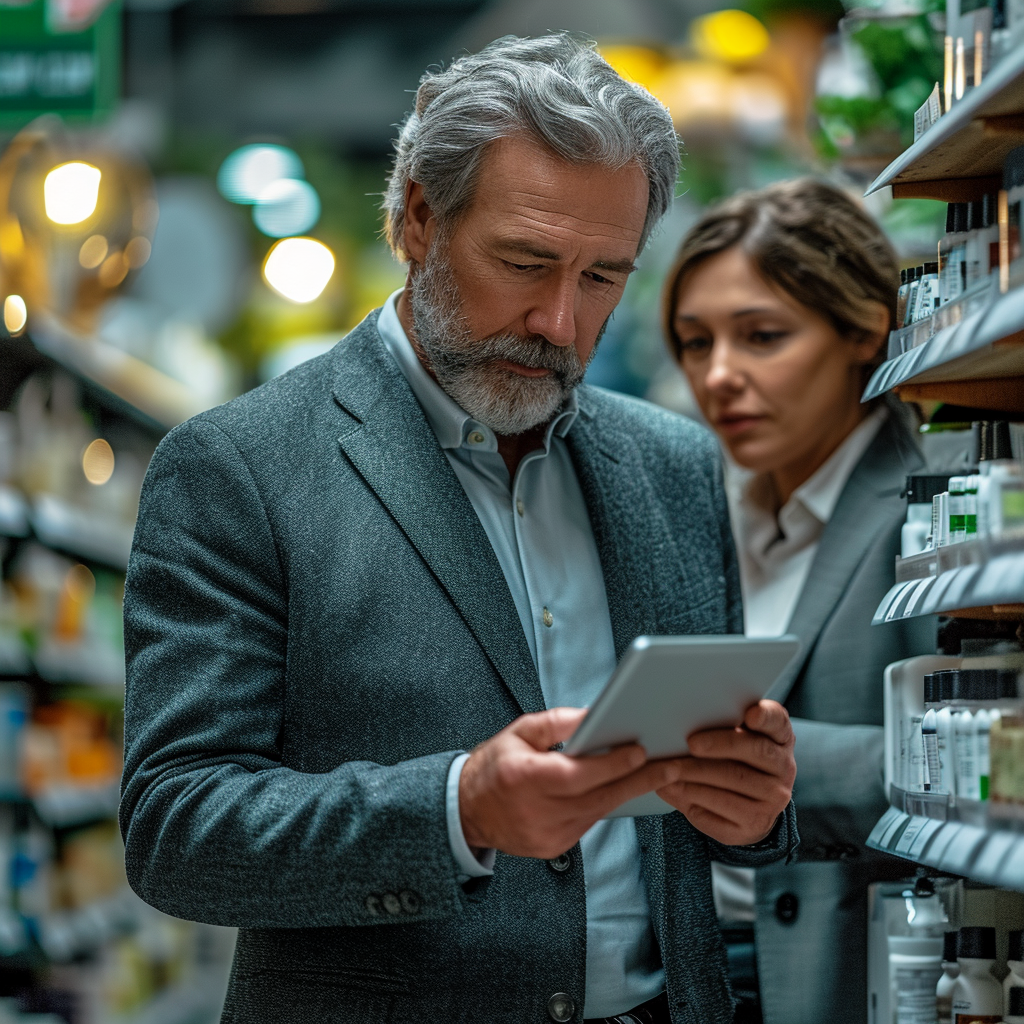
{"x": 811, "y": 915}
{"x": 315, "y": 626}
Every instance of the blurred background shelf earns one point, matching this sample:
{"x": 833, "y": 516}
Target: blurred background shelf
{"x": 960, "y": 157}
{"x": 981, "y": 577}
{"x": 977, "y": 362}
{"x": 991, "y": 855}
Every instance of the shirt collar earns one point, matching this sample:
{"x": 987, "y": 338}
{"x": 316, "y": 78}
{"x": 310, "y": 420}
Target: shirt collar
{"x": 452, "y": 426}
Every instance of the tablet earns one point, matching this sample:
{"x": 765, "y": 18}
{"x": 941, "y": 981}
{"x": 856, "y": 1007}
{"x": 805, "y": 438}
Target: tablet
{"x": 666, "y": 687}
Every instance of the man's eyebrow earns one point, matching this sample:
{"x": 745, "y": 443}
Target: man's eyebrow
{"x": 534, "y": 251}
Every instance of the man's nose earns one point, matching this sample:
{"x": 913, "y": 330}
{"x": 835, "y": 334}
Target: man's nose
{"x": 553, "y": 315}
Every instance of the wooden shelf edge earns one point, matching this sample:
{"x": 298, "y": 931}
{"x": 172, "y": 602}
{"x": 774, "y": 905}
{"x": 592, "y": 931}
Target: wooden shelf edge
{"x": 948, "y": 190}
{"x": 1000, "y": 394}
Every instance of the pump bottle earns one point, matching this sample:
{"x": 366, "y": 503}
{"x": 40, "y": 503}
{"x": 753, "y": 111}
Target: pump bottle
{"x": 950, "y": 972}
{"x": 1015, "y": 961}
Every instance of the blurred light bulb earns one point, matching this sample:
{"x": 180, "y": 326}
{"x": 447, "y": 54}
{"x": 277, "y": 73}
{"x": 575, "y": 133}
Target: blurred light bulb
{"x": 93, "y": 252}
{"x": 71, "y": 191}
{"x": 98, "y": 462}
{"x": 15, "y": 314}
{"x": 138, "y": 251}
{"x": 730, "y": 36}
{"x": 247, "y": 172}
{"x": 286, "y": 207}
{"x": 299, "y": 268}
{"x": 114, "y": 270}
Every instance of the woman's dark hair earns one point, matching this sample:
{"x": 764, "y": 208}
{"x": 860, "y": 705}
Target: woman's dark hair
{"x": 807, "y": 238}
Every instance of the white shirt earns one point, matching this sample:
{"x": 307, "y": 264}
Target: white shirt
{"x": 775, "y": 554}
{"x": 539, "y": 529}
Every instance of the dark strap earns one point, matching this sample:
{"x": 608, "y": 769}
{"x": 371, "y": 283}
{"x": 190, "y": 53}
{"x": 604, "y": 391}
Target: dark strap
{"x": 654, "y": 1011}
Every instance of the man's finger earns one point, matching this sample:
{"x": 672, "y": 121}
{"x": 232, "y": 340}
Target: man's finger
{"x": 771, "y": 718}
{"x": 652, "y": 776}
{"x": 543, "y": 729}
{"x": 731, "y": 775}
{"x": 576, "y": 776}
{"x": 751, "y": 748}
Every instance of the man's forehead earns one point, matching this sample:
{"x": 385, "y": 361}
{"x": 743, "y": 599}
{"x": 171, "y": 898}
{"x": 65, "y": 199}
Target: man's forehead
{"x": 525, "y": 187}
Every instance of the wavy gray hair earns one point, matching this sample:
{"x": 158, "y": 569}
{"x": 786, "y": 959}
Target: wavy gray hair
{"x": 556, "y": 89}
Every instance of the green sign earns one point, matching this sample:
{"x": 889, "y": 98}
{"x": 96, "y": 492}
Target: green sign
{"x": 58, "y": 56}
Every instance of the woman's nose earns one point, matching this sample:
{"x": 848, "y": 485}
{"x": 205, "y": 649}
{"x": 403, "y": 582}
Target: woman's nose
{"x": 722, "y": 373}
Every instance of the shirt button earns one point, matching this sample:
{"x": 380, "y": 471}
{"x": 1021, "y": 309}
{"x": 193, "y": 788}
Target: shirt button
{"x": 476, "y": 437}
{"x": 561, "y": 863}
{"x": 547, "y": 618}
{"x": 520, "y": 507}
{"x": 561, "y": 1007}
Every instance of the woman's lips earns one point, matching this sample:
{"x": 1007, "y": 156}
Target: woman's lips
{"x": 734, "y": 424}
{"x": 523, "y": 371}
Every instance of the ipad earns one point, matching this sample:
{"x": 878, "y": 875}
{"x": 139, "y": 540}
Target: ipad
{"x": 666, "y": 687}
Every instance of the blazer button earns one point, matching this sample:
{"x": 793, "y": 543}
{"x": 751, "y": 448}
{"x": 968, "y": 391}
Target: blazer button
{"x": 787, "y": 906}
{"x": 391, "y": 904}
{"x": 373, "y": 905}
{"x": 561, "y": 1007}
{"x": 410, "y": 901}
{"x": 561, "y": 863}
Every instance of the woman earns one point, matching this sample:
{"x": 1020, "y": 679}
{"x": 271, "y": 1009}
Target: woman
{"x": 778, "y": 309}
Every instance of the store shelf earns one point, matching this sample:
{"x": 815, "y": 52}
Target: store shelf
{"x": 991, "y": 855}
{"x": 961, "y": 156}
{"x": 985, "y": 349}
{"x": 974, "y": 575}
{"x": 139, "y": 389}
{"x": 13, "y": 513}
{"x": 91, "y": 665}
{"x": 68, "y": 806}
{"x": 81, "y": 533}
{"x": 198, "y": 1002}
{"x": 65, "y": 935}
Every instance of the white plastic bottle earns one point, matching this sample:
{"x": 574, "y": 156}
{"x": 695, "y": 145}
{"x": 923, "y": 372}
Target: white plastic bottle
{"x": 982, "y": 760}
{"x": 977, "y": 996}
{"x": 944, "y": 732}
{"x": 1015, "y": 961}
{"x": 1015, "y": 1006}
{"x": 964, "y": 747}
{"x": 950, "y": 972}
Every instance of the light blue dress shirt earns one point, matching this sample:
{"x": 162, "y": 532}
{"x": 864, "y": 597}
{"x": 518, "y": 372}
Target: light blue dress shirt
{"x": 540, "y": 531}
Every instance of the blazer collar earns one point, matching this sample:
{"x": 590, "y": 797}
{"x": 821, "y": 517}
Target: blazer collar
{"x": 866, "y": 501}
{"x": 385, "y": 436}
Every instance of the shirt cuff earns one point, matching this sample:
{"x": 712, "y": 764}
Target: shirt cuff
{"x": 469, "y": 865}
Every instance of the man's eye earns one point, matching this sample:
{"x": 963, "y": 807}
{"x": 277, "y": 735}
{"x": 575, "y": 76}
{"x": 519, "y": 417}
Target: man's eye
{"x": 599, "y": 279}
{"x": 521, "y": 267}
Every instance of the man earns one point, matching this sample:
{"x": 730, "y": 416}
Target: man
{"x": 410, "y": 548}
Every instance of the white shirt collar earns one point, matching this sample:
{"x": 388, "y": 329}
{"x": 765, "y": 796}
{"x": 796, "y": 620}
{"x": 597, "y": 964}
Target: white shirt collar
{"x": 453, "y": 426}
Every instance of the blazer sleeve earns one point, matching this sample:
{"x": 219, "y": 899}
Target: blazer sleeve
{"x": 216, "y": 827}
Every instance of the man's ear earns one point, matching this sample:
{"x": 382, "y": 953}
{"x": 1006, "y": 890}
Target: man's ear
{"x": 420, "y": 225}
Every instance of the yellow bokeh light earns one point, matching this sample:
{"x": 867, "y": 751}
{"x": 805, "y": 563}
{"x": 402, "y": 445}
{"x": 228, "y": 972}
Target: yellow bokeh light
{"x": 98, "y": 462}
{"x": 638, "y": 64}
{"x": 71, "y": 192}
{"x": 731, "y": 36}
{"x": 138, "y": 251}
{"x": 114, "y": 270}
{"x": 93, "y": 252}
{"x": 299, "y": 268}
{"x": 15, "y": 314}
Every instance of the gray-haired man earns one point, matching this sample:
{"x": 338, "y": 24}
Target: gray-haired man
{"x": 414, "y": 546}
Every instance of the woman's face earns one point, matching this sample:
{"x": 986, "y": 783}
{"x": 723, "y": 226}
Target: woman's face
{"x": 775, "y": 380}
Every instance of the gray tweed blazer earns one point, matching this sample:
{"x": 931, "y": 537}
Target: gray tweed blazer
{"x": 315, "y": 625}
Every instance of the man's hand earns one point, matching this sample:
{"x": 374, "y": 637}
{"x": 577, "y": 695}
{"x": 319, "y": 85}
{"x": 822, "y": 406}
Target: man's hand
{"x": 518, "y": 796}
{"x": 739, "y": 780}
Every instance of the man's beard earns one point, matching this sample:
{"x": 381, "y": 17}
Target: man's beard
{"x": 466, "y": 368}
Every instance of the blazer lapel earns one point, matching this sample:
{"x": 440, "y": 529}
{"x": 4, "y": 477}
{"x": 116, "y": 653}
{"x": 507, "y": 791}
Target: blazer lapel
{"x": 387, "y": 439}
{"x": 613, "y": 484}
{"x": 878, "y": 477}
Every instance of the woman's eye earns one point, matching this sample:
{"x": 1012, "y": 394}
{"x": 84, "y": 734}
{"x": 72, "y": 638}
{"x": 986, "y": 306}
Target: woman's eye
{"x": 766, "y": 337}
{"x": 695, "y": 346}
